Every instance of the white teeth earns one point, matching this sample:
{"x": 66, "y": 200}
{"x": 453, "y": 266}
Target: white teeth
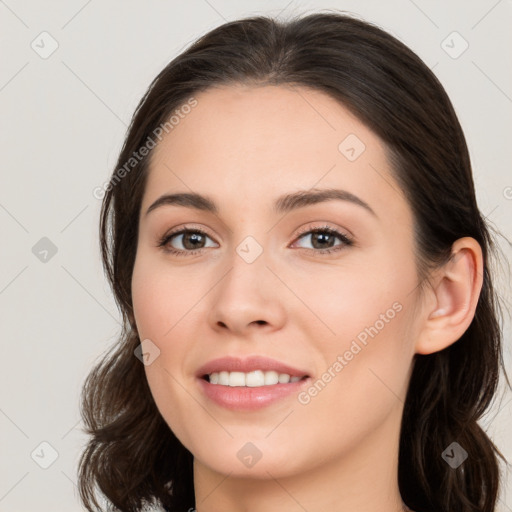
{"x": 237, "y": 379}
{"x": 271, "y": 377}
{"x": 255, "y": 379}
{"x": 284, "y": 378}
{"x": 252, "y": 379}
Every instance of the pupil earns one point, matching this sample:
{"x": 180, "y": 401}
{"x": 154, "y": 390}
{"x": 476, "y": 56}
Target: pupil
{"x": 195, "y": 238}
{"x": 322, "y": 238}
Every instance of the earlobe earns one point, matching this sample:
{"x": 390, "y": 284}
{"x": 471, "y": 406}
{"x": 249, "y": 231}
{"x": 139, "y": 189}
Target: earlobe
{"x": 455, "y": 296}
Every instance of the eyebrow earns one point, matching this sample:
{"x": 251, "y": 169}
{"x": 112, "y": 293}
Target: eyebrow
{"x": 283, "y": 204}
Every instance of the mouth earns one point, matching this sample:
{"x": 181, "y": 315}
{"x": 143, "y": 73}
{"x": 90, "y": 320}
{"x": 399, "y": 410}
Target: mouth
{"x": 252, "y": 371}
{"x": 253, "y": 379}
{"x": 251, "y": 383}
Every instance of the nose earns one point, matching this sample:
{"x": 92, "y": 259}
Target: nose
{"x": 248, "y": 299}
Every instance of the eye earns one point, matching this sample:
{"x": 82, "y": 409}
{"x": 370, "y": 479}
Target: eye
{"x": 190, "y": 240}
{"x": 323, "y": 239}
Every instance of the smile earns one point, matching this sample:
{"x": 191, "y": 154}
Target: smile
{"x": 252, "y": 379}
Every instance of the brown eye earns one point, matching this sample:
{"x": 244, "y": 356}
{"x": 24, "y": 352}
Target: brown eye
{"x": 193, "y": 240}
{"x": 185, "y": 241}
{"x": 324, "y": 240}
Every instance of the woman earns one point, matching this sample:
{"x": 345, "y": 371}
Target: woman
{"x": 292, "y": 236}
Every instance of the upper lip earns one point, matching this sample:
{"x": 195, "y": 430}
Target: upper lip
{"x": 248, "y": 364}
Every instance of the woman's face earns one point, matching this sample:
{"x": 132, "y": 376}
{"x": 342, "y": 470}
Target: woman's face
{"x": 260, "y": 283}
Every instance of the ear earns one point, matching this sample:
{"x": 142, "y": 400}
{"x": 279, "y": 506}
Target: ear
{"x": 451, "y": 305}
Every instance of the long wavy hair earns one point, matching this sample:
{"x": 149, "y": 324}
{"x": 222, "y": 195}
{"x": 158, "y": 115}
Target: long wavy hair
{"x": 132, "y": 459}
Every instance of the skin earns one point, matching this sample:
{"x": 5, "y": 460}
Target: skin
{"x": 243, "y": 147}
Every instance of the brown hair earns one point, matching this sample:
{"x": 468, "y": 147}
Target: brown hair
{"x": 132, "y": 457}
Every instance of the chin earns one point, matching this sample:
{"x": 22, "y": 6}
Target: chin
{"x": 246, "y": 459}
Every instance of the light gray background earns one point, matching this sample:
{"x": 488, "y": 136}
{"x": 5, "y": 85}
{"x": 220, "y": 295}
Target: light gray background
{"x": 63, "y": 121}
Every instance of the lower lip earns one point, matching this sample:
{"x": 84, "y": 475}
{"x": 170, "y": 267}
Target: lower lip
{"x": 243, "y": 398}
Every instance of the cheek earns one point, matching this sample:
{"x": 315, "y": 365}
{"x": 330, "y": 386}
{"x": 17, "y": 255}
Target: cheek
{"x": 163, "y": 303}
{"x": 364, "y": 318}
{"x": 157, "y": 312}
{"x": 144, "y": 290}
{"x": 160, "y": 298}
{"x": 363, "y": 384}
{"x": 341, "y": 302}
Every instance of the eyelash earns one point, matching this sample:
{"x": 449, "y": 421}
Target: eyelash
{"x": 347, "y": 241}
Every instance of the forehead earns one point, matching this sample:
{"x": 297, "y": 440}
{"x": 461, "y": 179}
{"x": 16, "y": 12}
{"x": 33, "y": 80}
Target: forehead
{"x": 254, "y": 143}
{"x": 265, "y": 122}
